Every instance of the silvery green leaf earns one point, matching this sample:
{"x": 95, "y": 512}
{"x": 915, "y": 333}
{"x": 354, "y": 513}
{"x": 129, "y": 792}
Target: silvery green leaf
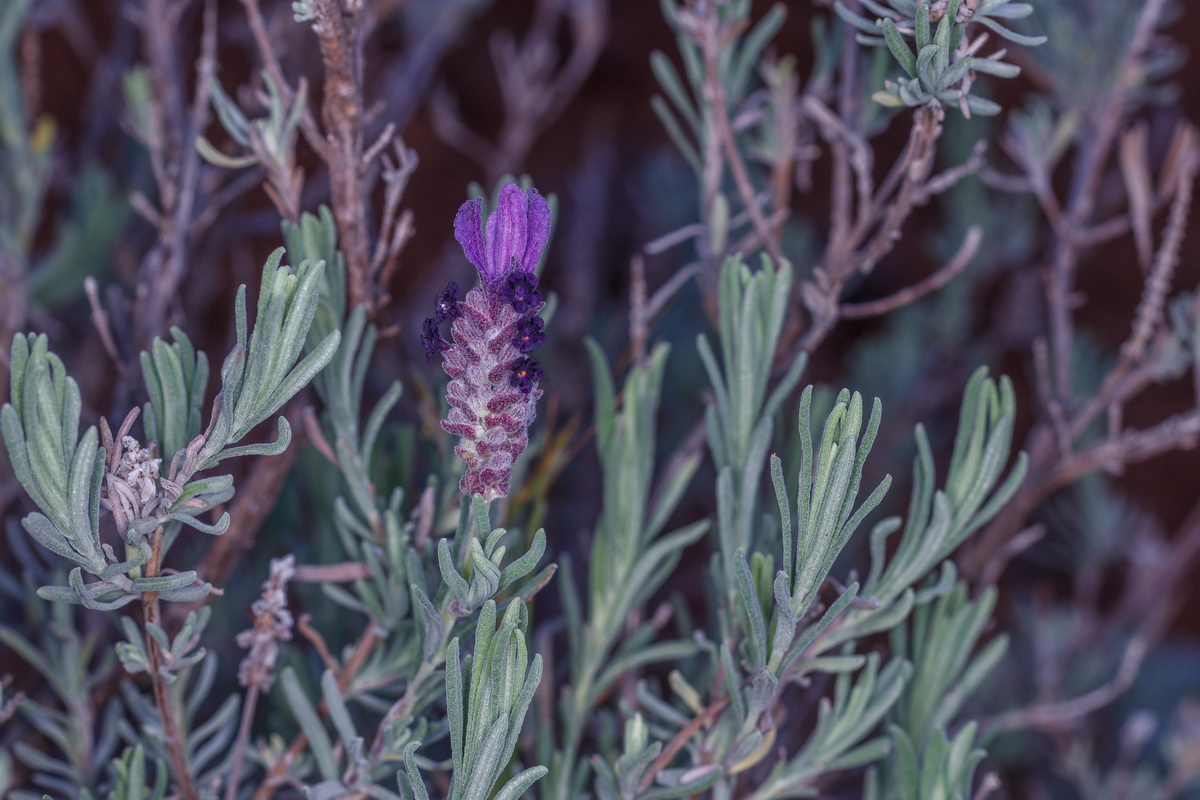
{"x": 302, "y": 709}
{"x": 685, "y": 783}
{"x": 416, "y": 785}
{"x": 282, "y": 440}
{"x": 212, "y": 155}
{"x": 861, "y": 23}
{"x": 211, "y": 491}
{"x": 176, "y": 377}
{"x": 751, "y": 50}
{"x": 165, "y": 583}
{"x": 672, "y": 85}
{"x": 1011, "y": 35}
{"x": 752, "y": 609}
{"x": 457, "y": 584}
{"x": 142, "y": 554}
{"x": 899, "y": 47}
{"x": 339, "y": 715}
{"x": 991, "y": 66}
{"x": 432, "y": 624}
{"x": 213, "y": 529}
{"x": 519, "y": 783}
{"x": 526, "y": 563}
{"x": 231, "y": 117}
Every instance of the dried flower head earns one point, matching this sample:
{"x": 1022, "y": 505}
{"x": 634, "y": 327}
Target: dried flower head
{"x": 272, "y": 624}
{"x": 493, "y": 390}
{"x": 131, "y": 485}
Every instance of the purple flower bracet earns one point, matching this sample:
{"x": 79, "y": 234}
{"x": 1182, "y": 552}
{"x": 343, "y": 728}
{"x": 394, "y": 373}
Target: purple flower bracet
{"x": 493, "y": 391}
{"x": 517, "y": 232}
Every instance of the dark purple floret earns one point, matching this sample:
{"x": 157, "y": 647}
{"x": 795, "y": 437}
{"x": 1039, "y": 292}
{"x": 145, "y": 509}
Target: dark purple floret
{"x": 530, "y": 334}
{"x": 446, "y": 303}
{"x": 432, "y": 339}
{"x": 525, "y": 373}
{"x": 519, "y": 290}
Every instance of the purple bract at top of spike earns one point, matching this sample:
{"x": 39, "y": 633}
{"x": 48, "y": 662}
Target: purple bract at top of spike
{"x": 516, "y": 234}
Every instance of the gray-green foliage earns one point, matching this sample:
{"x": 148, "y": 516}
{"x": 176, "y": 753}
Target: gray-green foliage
{"x": 840, "y": 739}
{"x": 486, "y": 714}
{"x": 685, "y": 96}
{"x": 944, "y": 770}
{"x": 83, "y": 738}
{"x": 60, "y": 470}
{"x": 68, "y": 475}
{"x": 174, "y": 374}
{"x": 180, "y": 653}
{"x": 210, "y": 723}
{"x": 786, "y": 633}
{"x": 940, "y": 641}
{"x": 269, "y": 139}
{"x": 25, "y": 155}
{"x": 262, "y": 373}
{"x": 130, "y": 781}
{"x": 940, "y": 70}
{"x": 631, "y": 557}
{"x": 740, "y": 422}
{"x": 939, "y": 520}
{"x": 827, "y": 489}
{"x": 1078, "y": 59}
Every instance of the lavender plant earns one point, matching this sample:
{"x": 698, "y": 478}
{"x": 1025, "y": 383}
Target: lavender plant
{"x": 739, "y": 604}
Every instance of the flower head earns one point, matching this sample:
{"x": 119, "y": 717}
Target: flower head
{"x": 493, "y": 391}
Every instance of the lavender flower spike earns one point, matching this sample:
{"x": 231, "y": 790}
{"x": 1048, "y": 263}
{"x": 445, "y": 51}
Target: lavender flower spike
{"x": 493, "y": 391}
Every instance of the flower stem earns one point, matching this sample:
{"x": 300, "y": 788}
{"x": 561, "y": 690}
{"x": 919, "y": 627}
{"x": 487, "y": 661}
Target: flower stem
{"x": 162, "y": 692}
{"x": 239, "y": 750}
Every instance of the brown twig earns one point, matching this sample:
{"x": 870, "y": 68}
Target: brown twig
{"x": 162, "y": 689}
{"x": 333, "y": 573}
{"x": 1092, "y": 158}
{"x": 342, "y": 113}
{"x": 1162, "y": 270}
{"x": 960, "y": 261}
{"x": 243, "y": 738}
{"x": 679, "y": 740}
{"x": 266, "y": 51}
{"x": 177, "y": 163}
{"x": 890, "y": 208}
{"x": 716, "y": 100}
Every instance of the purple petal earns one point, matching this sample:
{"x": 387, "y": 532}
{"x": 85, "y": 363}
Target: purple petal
{"x": 468, "y": 230}
{"x": 538, "y": 231}
{"x": 507, "y": 231}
